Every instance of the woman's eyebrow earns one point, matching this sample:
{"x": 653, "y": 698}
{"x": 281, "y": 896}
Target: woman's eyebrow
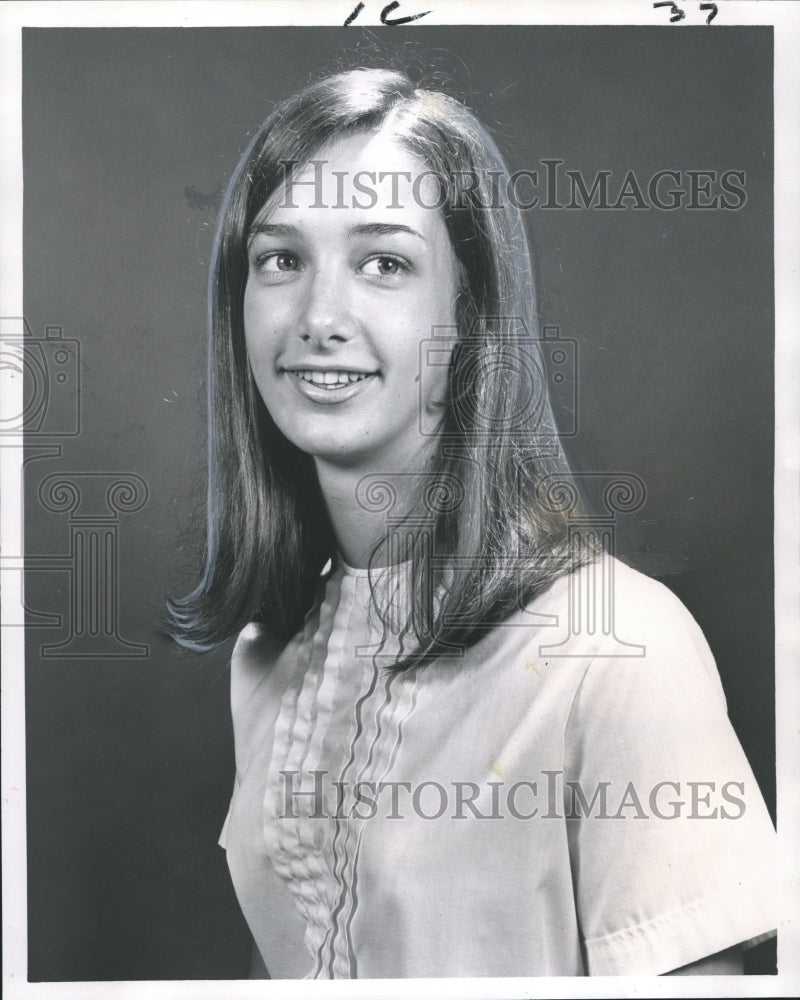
{"x": 273, "y": 229}
{"x": 383, "y": 229}
{"x": 363, "y": 229}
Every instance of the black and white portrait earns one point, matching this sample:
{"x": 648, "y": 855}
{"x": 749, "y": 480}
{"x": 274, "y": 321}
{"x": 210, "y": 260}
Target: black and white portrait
{"x": 396, "y": 432}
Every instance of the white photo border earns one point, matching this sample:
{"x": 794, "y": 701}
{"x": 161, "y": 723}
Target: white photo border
{"x": 785, "y": 18}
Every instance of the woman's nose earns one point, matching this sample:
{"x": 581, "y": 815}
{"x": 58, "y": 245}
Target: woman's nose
{"x": 327, "y": 315}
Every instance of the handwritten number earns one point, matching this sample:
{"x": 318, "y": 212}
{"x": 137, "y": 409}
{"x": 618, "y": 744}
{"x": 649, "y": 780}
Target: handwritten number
{"x": 713, "y": 8}
{"x": 676, "y": 13}
{"x": 354, "y": 15}
{"x": 385, "y": 19}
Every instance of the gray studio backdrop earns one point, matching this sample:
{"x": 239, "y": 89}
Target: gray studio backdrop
{"x": 130, "y": 136}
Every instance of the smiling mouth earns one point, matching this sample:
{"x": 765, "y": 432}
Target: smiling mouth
{"x": 329, "y": 379}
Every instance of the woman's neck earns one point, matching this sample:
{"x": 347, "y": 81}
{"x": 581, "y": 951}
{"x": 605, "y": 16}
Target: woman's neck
{"x": 358, "y": 525}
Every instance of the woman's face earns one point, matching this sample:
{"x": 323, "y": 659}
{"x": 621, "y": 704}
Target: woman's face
{"x": 340, "y": 293}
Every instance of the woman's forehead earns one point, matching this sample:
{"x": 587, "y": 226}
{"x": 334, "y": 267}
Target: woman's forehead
{"x": 366, "y": 172}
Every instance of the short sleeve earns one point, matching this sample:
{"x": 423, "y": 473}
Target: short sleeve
{"x": 670, "y": 840}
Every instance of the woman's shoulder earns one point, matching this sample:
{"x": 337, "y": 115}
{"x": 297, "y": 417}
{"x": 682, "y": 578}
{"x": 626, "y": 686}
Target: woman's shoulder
{"x": 254, "y": 662}
{"x": 264, "y": 663}
{"x": 616, "y": 618}
{"x": 258, "y": 667}
{"x": 645, "y": 605}
{"x": 636, "y": 631}
{"x": 610, "y": 591}
{"x": 253, "y": 644}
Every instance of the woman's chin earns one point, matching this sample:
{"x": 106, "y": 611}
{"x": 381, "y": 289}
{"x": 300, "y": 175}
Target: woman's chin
{"x": 336, "y": 451}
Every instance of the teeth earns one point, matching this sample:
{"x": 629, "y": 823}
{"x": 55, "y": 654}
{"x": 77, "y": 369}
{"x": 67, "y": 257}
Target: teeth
{"x": 330, "y": 379}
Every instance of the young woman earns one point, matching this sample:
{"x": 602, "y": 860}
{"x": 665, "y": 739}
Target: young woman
{"x": 468, "y": 741}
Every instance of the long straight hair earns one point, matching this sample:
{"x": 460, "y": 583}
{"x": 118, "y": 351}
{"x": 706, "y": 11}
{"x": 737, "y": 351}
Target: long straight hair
{"x": 485, "y": 537}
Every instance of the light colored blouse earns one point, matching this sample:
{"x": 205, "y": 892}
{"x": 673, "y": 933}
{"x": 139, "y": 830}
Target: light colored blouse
{"x": 565, "y": 798}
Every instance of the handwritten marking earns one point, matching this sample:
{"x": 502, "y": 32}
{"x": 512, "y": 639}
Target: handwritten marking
{"x": 391, "y": 22}
{"x": 677, "y": 14}
{"x": 354, "y": 15}
{"x": 713, "y": 8}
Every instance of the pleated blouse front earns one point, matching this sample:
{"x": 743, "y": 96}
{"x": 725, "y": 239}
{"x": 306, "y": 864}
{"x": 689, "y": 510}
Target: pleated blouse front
{"x": 395, "y": 825}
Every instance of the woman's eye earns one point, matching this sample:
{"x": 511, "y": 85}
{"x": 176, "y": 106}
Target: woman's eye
{"x": 384, "y": 267}
{"x": 278, "y": 261}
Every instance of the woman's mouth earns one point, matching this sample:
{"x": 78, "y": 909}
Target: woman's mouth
{"x": 329, "y": 380}
{"x": 330, "y": 385}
